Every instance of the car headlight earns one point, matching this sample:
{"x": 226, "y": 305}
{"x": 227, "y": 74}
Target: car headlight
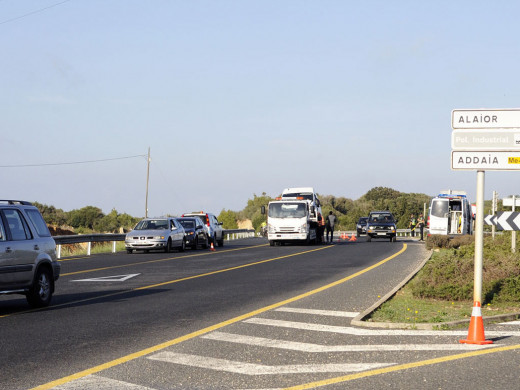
{"x": 190, "y": 233}
{"x": 304, "y": 228}
{"x": 270, "y": 228}
{"x": 158, "y": 238}
{"x": 371, "y": 227}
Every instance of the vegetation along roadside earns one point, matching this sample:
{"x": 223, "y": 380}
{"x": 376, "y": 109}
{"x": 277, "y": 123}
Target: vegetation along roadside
{"x": 442, "y": 291}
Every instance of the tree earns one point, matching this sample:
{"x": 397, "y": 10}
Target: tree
{"x": 228, "y": 219}
{"x": 84, "y": 217}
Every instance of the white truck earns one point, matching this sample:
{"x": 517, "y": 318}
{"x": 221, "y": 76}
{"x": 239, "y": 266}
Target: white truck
{"x": 295, "y": 216}
{"x": 450, "y": 213}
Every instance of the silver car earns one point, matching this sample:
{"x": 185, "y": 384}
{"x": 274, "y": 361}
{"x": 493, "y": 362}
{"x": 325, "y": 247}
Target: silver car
{"x": 28, "y": 263}
{"x": 156, "y": 234}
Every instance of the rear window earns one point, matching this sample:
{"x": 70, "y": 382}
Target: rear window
{"x": 440, "y": 208}
{"x": 38, "y": 222}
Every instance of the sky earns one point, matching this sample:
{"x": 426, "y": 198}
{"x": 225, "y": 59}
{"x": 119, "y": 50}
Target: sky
{"x": 236, "y": 98}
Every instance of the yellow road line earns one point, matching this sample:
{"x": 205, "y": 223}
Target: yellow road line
{"x": 402, "y": 367}
{"x": 159, "y": 260}
{"x": 212, "y": 328}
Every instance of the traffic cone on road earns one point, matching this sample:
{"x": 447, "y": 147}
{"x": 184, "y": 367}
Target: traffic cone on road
{"x": 353, "y": 238}
{"x": 212, "y": 248}
{"x": 476, "y": 328}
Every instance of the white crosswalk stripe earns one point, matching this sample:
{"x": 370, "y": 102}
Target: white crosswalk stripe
{"x": 259, "y": 369}
{"x": 99, "y": 382}
{"x": 368, "y": 332}
{"x": 307, "y": 347}
{"x": 331, "y": 313}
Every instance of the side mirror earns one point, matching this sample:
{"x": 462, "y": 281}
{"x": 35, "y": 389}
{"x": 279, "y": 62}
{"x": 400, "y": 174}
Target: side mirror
{"x": 262, "y": 210}
{"x": 199, "y": 226}
{"x": 220, "y": 223}
{"x": 313, "y": 209}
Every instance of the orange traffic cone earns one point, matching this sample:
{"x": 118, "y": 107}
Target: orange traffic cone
{"x": 476, "y": 328}
{"x": 353, "y": 238}
{"x": 344, "y": 236}
{"x": 212, "y": 248}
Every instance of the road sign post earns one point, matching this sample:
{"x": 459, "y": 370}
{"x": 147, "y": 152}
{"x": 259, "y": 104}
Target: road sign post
{"x": 483, "y": 140}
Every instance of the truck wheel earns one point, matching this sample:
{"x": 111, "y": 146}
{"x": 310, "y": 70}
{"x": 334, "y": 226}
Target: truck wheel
{"x": 271, "y": 242}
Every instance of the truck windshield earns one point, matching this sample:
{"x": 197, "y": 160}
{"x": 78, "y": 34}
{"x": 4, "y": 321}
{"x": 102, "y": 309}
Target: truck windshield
{"x": 440, "y": 208}
{"x": 287, "y": 210}
{"x": 298, "y": 194}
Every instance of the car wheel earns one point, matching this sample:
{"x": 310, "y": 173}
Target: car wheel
{"x": 168, "y": 247}
{"x": 195, "y": 243}
{"x": 129, "y": 251}
{"x": 205, "y": 244}
{"x": 182, "y": 248}
{"x": 271, "y": 242}
{"x": 40, "y": 293}
{"x": 220, "y": 242}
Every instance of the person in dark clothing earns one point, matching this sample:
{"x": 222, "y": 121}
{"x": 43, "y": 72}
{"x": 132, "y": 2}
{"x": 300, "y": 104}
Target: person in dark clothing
{"x": 331, "y": 221}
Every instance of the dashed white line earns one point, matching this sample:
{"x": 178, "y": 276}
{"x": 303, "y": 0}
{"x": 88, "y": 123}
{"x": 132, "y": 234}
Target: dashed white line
{"x": 259, "y": 369}
{"x": 316, "y": 348}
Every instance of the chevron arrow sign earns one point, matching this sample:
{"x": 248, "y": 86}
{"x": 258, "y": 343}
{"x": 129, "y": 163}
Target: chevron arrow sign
{"x": 508, "y": 220}
{"x": 490, "y": 220}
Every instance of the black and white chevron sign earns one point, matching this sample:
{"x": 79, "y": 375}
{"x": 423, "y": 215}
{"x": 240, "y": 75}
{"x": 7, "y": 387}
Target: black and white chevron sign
{"x": 490, "y": 219}
{"x": 508, "y": 220}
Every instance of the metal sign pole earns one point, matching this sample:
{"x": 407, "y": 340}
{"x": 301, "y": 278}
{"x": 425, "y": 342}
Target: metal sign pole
{"x": 513, "y": 233}
{"x": 479, "y": 238}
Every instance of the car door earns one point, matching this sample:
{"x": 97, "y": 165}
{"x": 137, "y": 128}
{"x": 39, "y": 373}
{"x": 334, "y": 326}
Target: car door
{"x": 19, "y": 249}
{"x": 177, "y": 232}
{"x": 439, "y": 216}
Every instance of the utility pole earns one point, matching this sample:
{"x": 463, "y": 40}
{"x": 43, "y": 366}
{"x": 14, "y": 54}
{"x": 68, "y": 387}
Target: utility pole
{"x": 147, "y": 180}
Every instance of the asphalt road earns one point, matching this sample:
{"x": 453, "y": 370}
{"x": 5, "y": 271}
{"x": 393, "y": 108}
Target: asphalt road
{"x": 247, "y": 316}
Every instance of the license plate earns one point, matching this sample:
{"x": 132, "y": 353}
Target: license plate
{"x": 381, "y": 234}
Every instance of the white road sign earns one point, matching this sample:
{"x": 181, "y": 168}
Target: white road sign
{"x": 509, "y": 202}
{"x": 485, "y": 139}
{"x": 485, "y": 161}
{"x": 506, "y": 118}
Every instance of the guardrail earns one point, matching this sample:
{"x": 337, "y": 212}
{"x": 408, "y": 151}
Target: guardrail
{"x": 230, "y": 234}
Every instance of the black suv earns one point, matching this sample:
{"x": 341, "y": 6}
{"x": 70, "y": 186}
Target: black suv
{"x": 381, "y": 224}
{"x": 361, "y": 227}
{"x": 28, "y": 263}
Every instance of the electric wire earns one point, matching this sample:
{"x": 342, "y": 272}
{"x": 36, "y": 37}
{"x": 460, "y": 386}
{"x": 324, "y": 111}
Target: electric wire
{"x": 33, "y": 12}
{"x": 71, "y": 163}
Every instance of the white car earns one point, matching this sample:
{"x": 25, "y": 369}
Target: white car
{"x": 156, "y": 234}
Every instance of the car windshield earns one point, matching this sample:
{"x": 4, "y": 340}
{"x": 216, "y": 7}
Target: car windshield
{"x": 381, "y": 218}
{"x": 187, "y": 223}
{"x": 152, "y": 224}
{"x": 287, "y": 210}
{"x": 363, "y": 220}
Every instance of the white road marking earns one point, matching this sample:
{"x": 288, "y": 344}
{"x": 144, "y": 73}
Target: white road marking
{"x": 117, "y": 278}
{"x": 330, "y": 313}
{"x": 510, "y": 323}
{"x": 99, "y": 382}
{"x": 368, "y": 332}
{"x": 307, "y": 347}
{"x": 259, "y": 369}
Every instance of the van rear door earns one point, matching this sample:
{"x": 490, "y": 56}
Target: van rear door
{"x": 439, "y": 216}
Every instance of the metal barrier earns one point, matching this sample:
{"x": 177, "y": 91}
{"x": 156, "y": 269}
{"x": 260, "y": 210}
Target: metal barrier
{"x": 232, "y": 234}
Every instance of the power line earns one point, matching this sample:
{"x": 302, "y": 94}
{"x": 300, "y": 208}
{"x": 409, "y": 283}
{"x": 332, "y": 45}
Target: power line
{"x": 34, "y": 12}
{"x": 71, "y": 163}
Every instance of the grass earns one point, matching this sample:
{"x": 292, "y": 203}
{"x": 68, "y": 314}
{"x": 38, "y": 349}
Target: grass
{"x": 70, "y": 250}
{"x": 442, "y": 291}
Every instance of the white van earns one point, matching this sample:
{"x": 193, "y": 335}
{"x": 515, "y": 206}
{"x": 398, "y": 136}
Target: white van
{"x": 450, "y": 214}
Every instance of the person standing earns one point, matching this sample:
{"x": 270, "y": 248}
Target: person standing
{"x": 420, "y": 222}
{"x": 331, "y": 221}
{"x": 413, "y": 223}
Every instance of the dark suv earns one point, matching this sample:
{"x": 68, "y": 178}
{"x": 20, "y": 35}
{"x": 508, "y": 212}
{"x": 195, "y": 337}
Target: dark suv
{"x": 381, "y": 224}
{"x": 361, "y": 226}
{"x": 28, "y": 263}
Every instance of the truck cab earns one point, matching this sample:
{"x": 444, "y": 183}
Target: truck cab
{"x": 308, "y": 194}
{"x": 450, "y": 214}
{"x": 289, "y": 220}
